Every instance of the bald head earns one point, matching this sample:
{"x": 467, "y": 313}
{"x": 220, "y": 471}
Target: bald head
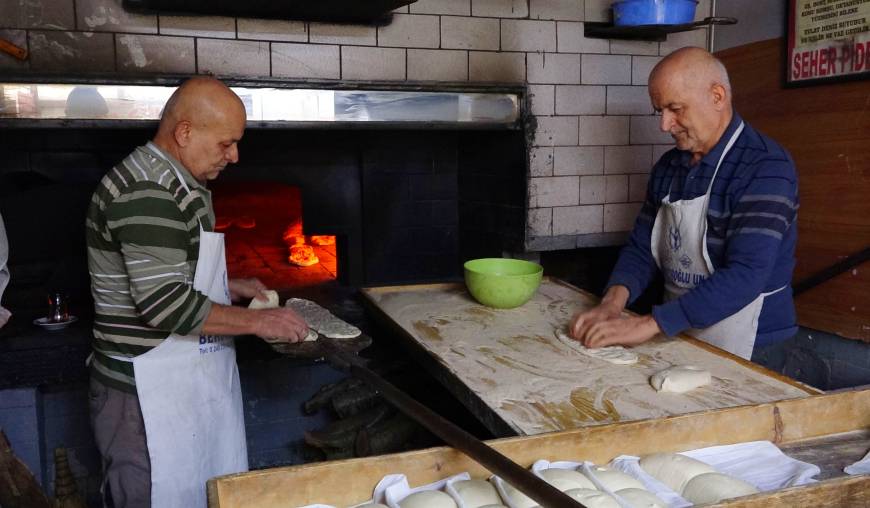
{"x": 201, "y": 125}
{"x": 691, "y": 90}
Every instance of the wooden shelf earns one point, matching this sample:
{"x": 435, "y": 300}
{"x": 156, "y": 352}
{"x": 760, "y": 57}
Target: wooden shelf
{"x": 656, "y": 33}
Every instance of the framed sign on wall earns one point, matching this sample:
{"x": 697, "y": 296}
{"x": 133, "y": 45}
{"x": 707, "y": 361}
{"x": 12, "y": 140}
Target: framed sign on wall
{"x": 827, "y": 40}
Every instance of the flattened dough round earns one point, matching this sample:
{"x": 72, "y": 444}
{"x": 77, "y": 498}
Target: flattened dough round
{"x": 428, "y": 499}
{"x": 680, "y": 379}
{"x": 616, "y": 355}
{"x": 714, "y": 487}
{"x": 271, "y": 303}
{"x": 673, "y": 469}
{"x": 322, "y": 320}
{"x": 566, "y": 479}
{"x": 615, "y": 480}
{"x": 593, "y": 498}
{"x": 476, "y": 493}
{"x": 641, "y": 498}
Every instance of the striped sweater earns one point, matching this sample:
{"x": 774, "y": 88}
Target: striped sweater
{"x": 143, "y": 244}
{"x": 751, "y": 235}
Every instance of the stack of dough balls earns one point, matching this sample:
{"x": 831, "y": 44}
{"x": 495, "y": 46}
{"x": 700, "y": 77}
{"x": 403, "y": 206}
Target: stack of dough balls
{"x": 579, "y": 487}
{"x": 428, "y": 499}
{"x": 477, "y": 494}
{"x": 696, "y": 481}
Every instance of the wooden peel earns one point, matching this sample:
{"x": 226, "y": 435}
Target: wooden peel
{"x": 11, "y": 49}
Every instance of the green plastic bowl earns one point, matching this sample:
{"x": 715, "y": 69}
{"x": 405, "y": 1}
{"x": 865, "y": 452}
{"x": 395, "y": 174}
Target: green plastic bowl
{"x": 502, "y": 283}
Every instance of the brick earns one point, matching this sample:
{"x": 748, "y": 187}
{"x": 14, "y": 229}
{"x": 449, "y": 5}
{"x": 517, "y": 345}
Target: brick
{"x": 51, "y": 14}
{"x": 564, "y": 10}
{"x": 578, "y": 160}
{"x": 597, "y": 10}
{"x": 628, "y": 100}
{"x": 645, "y": 131}
{"x": 604, "y": 130}
{"x": 213, "y": 27}
{"x": 659, "y": 150}
{"x": 437, "y": 65}
{"x": 331, "y": 33}
{"x": 620, "y": 47}
{"x": 605, "y": 69}
{"x": 411, "y": 31}
{"x": 540, "y": 222}
{"x": 577, "y": 220}
{"x": 501, "y": 67}
{"x": 592, "y": 189}
{"x": 500, "y": 8}
{"x": 541, "y": 161}
{"x": 9, "y": 62}
{"x": 580, "y": 100}
{"x": 528, "y": 35}
{"x": 306, "y": 60}
{"x": 451, "y": 7}
{"x": 553, "y": 68}
{"x": 372, "y": 63}
{"x": 637, "y": 187}
{"x": 616, "y": 189}
{"x": 73, "y": 52}
{"x": 696, "y": 38}
{"x": 543, "y": 98}
{"x": 109, "y": 16}
{"x": 627, "y": 159}
{"x": 556, "y": 131}
{"x": 620, "y": 217}
{"x": 469, "y": 33}
{"x": 554, "y": 191}
{"x": 155, "y": 53}
{"x": 236, "y": 58}
{"x": 570, "y": 39}
{"x": 272, "y": 30}
{"x": 641, "y": 66}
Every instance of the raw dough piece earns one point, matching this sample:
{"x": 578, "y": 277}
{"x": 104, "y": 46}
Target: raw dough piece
{"x": 680, "y": 379}
{"x": 476, "y": 493}
{"x": 641, "y": 498}
{"x": 615, "y": 480}
{"x": 566, "y": 479}
{"x": 322, "y": 320}
{"x": 428, "y": 499}
{"x": 271, "y": 303}
{"x": 673, "y": 469}
{"x": 591, "y": 498}
{"x": 516, "y": 498}
{"x": 373, "y": 505}
{"x": 616, "y": 355}
{"x": 714, "y": 487}
{"x": 311, "y": 336}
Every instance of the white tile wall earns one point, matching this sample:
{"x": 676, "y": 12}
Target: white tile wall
{"x": 437, "y": 65}
{"x": 469, "y": 33}
{"x": 496, "y": 67}
{"x": 233, "y": 58}
{"x": 604, "y": 130}
{"x": 641, "y": 66}
{"x": 543, "y": 99}
{"x": 571, "y": 39}
{"x": 215, "y": 27}
{"x": 568, "y": 10}
{"x": 306, "y": 60}
{"x": 616, "y": 189}
{"x": 578, "y": 160}
{"x": 592, "y": 189}
{"x": 556, "y": 131}
{"x": 528, "y": 35}
{"x": 637, "y": 187}
{"x": 411, "y": 31}
{"x": 272, "y": 30}
{"x": 358, "y": 62}
{"x": 580, "y": 100}
{"x": 554, "y": 191}
{"x": 645, "y": 131}
{"x": 152, "y": 53}
{"x": 451, "y": 7}
{"x": 108, "y": 15}
{"x": 627, "y": 159}
{"x": 628, "y": 100}
{"x": 500, "y": 8}
{"x": 623, "y": 47}
{"x": 598, "y": 10}
{"x": 606, "y": 69}
{"x": 541, "y": 161}
{"x": 577, "y": 220}
{"x": 553, "y": 68}
{"x": 540, "y": 222}
{"x": 620, "y": 217}
{"x": 331, "y": 33}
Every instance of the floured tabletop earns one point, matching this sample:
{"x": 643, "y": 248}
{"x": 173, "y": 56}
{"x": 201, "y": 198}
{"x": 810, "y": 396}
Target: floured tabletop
{"x": 512, "y": 362}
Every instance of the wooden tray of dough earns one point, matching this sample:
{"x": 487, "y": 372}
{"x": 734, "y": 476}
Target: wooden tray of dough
{"x": 831, "y": 431}
{"x": 512, "y": 373}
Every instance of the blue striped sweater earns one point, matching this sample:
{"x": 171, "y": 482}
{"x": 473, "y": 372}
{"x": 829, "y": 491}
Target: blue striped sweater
{"x": 751, "y": 235}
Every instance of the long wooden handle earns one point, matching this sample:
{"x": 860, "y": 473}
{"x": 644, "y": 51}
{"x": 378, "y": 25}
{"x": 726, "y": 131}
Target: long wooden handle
{"x": 12, "y": 49}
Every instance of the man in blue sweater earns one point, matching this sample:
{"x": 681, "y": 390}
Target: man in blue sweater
{"x": 719, "y": 222}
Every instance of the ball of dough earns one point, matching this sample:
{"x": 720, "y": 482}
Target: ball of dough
{"x": 428, "y": 499}
{"x": 615, "y": 480}
{"x": 516, "y": 498}
{"x": 673, "y": 469}
{"x": 641, "y": 498}
{"x": 714, "y": 487}
{"x": 566, "y": 479}
{"x": 476, "y": 493}
{"x": 680, "y": 379}
{"x": 591, "y": 498}
{"x": 494, "y": 506}
{"x": 271, "y": 303}
{"x": 373, "y": 505}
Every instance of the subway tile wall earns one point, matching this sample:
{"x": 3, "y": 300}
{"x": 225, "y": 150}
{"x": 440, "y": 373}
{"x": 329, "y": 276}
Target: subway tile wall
{"x": 594, "y": 137}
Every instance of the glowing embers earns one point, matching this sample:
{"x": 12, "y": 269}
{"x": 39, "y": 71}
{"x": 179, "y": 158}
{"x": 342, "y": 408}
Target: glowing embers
{"x": 301, "y": 247}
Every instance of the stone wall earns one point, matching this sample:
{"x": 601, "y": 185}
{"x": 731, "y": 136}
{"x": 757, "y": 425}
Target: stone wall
{"x": 595, "y": 139}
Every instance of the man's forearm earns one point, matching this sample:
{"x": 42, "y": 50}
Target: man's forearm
{"x": 616, "y": 297}
{"x": 229, "y": 320}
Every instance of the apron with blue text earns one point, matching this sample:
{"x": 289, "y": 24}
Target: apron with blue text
{"x": 679, "y": 246}
{"x": 191, "y": 400}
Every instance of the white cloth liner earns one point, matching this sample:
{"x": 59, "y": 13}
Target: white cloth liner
{"x": 377, "y": 495}
{"x": 398, "y": 491}
{"x": 759, "y": 463}
{"x": 860, "y": 467}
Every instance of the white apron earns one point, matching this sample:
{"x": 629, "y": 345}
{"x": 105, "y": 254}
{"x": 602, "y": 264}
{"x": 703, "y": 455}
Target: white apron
{"x": 679, "y": 246}
{"x": 191, "y": 400}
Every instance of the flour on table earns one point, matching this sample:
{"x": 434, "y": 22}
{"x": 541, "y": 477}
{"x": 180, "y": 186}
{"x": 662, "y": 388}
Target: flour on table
{"x": 321, "y": 320}
{"x": 616, "y": 355}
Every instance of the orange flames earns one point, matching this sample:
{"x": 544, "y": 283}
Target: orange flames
{"x": 301, "y": 253}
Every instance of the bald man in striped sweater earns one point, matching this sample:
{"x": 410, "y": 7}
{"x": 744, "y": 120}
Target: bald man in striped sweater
{"x": 148, "y": 222}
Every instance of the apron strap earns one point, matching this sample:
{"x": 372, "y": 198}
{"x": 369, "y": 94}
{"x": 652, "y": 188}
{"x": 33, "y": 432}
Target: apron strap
{"x": 724, "y": 153}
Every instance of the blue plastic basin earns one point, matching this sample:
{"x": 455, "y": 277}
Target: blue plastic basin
{"x": 653, "y": 12}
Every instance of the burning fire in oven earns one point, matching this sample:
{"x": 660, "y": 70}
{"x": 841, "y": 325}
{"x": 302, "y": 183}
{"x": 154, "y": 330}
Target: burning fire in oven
{"x": 301, "y": 250}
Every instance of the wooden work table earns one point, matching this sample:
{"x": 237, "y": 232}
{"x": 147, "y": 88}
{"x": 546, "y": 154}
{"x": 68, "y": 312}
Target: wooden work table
{"x": 510, "y": 370}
